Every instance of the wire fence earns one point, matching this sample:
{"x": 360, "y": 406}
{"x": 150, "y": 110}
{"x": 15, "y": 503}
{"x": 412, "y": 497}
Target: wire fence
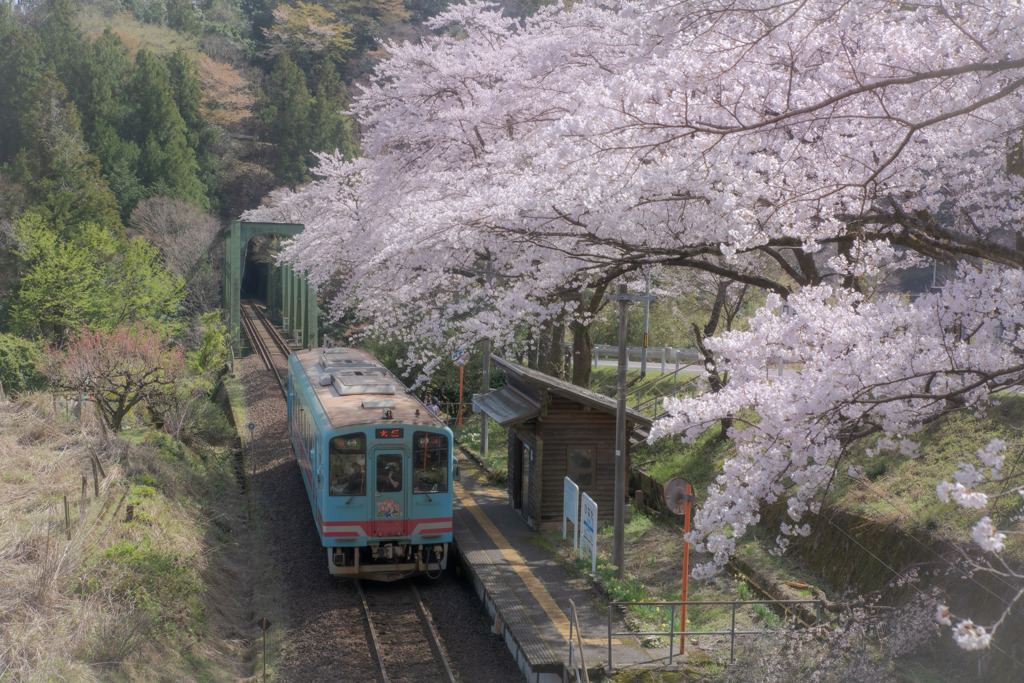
{"x": 676, "y": 607}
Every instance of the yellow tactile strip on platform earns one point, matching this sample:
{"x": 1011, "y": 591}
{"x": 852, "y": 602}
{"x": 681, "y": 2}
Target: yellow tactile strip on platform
{"x": 519, "y": 566}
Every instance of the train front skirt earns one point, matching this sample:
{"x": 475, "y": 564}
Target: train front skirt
{"x": 388, "y": 561}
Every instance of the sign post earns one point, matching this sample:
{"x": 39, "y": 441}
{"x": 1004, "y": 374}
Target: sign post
{"x": 678, "y": 497}
{"x": 571, "y": 511}
{"x": 460, "y": 358}
{"x": 588, "y": 529}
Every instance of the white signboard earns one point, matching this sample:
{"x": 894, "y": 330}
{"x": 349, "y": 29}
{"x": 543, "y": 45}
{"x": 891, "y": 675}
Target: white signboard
{"x": 588, "y": 529}
{"x": 571, "y": 511}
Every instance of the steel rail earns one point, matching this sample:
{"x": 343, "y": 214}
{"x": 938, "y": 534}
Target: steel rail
{"x": 433, "y": 639}
{"x": 374, "y": 640}
{"x": 266, "y": 340}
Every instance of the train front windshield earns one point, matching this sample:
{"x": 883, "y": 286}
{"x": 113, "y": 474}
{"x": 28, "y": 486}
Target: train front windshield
{"x": 347, "y": 465}
{"x": 430, "y": 459}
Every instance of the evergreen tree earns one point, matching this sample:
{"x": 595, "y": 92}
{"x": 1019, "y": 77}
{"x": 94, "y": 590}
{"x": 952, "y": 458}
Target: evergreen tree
{"x": 187, "y": 91}
{"x": 285, "y": 107}
{"x": 108, "y": 75}
{"x": 184, "y": 16}
{"x": 21, "y": 66}
{"x": 185, "y": 88}
{"x": 109, "y": 112}
{"x": 330, "y": 128}
{"x": 65, "y": 49}
{"x": 62, "y": 180}
{"x": 261, "y": 14}
{"x": 167, "y": 164}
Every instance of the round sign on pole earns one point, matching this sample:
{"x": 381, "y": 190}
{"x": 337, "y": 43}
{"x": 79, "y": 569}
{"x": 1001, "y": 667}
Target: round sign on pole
{"x": 460, "y": 358}
{"x": 677, "y": 494}
{"x": 679, "y": 498}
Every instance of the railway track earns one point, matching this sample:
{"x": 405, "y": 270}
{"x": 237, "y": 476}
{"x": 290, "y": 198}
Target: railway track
{"x": 266, "y": 340}
{"x": 402, "y": 634}
{"x": 403, "y": 640}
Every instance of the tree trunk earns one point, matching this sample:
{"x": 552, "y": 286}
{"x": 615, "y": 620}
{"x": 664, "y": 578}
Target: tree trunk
{"x": 582, "y": 355}
{"x": 551, "y": 358}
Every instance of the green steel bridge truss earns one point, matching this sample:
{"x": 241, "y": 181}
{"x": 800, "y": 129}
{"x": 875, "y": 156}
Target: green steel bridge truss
{"x": 290, "y": 298}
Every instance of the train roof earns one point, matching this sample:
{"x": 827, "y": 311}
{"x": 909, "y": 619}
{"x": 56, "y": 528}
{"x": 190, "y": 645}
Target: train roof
{"x": 354, "y": 388}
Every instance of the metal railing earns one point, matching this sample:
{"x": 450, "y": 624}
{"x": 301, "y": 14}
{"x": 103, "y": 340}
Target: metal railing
{"x": 578, "y": 668}
{"x": 682, "y": 632}
{"x": 689, "y": 387}
{"x": 655, "y": 354}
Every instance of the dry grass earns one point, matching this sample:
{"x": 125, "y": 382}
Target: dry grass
{"x": 135, "y": 34}
{"x": 150, "y": 595}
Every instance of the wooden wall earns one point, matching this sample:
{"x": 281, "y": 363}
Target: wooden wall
{"x": 570, "y": 424}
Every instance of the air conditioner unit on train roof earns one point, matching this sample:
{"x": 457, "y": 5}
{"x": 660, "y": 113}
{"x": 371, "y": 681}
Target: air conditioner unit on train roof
{"x": 328, "y": 362}
{"x": 349, "y": 385}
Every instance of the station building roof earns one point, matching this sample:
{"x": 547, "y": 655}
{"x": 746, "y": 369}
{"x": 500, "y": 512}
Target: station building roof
{"x": 509, "y": 405}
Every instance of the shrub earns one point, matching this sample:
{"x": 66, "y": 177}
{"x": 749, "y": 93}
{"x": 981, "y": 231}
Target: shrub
{"x": 18, "y": 359}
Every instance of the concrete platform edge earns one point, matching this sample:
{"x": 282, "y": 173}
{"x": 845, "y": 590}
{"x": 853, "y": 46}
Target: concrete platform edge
{"x": 535, "y": 672}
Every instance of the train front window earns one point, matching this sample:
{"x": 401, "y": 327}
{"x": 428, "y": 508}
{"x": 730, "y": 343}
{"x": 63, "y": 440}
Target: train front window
{"x": 347, "y": 465}
{"x": 430, "y": 457}
{"x": 389, "y": 473}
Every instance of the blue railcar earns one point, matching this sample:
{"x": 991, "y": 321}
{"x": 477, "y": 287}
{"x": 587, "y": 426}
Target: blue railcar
{"x": 377, "y": 465}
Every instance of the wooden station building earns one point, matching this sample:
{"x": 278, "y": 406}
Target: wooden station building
{"x": 556, "y": 429}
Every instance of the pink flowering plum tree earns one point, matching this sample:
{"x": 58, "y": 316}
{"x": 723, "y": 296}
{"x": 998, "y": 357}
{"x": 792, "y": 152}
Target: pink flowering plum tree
{"x": 119, "y": 369}
{"x": 837, "y": 141}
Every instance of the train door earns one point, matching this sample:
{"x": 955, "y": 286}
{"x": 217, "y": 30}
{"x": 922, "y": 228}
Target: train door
{"x": 390, "y": 494}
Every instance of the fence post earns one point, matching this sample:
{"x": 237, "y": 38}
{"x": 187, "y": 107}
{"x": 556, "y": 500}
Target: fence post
{"x": 571, "y": 648}
{"x": 672, "y": 635}
{"x": 610, "y": 667}
{"x": 732, "y": 643}
{"x": 96, "y": 463}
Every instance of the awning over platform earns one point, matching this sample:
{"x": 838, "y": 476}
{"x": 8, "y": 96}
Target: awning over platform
{"x": 507, "y": 406}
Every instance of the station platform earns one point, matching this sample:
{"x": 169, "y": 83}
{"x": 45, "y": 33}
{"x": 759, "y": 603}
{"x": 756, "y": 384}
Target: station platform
{"x": 527, "y": 591}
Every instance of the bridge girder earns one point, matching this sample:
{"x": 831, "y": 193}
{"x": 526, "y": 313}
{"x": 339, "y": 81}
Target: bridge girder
{"x": 298, "y": 306}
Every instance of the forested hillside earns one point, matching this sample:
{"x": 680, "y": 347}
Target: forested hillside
{"x": 132, "y": 131}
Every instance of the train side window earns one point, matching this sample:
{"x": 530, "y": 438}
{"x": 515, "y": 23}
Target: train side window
{"x": 430, "y": 459}
{"x": 347, "y": 465}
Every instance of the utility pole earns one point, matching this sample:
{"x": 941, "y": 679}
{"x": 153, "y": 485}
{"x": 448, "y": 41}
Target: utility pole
{"x": 618, "y": 553}
{"x": 485, "y": 370}
{"x": 647, "y": 326}
{"x": 619, "y": 519}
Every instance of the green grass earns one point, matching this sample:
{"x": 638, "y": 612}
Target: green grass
{"x": 901, "y": 490}
{"x": 697, "y": 462}
{"x": 160, "y": 584}
{"x": 496, "y": 458}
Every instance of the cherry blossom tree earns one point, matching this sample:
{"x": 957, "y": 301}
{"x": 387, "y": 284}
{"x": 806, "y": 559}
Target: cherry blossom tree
{"x": 837, "y": 140}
